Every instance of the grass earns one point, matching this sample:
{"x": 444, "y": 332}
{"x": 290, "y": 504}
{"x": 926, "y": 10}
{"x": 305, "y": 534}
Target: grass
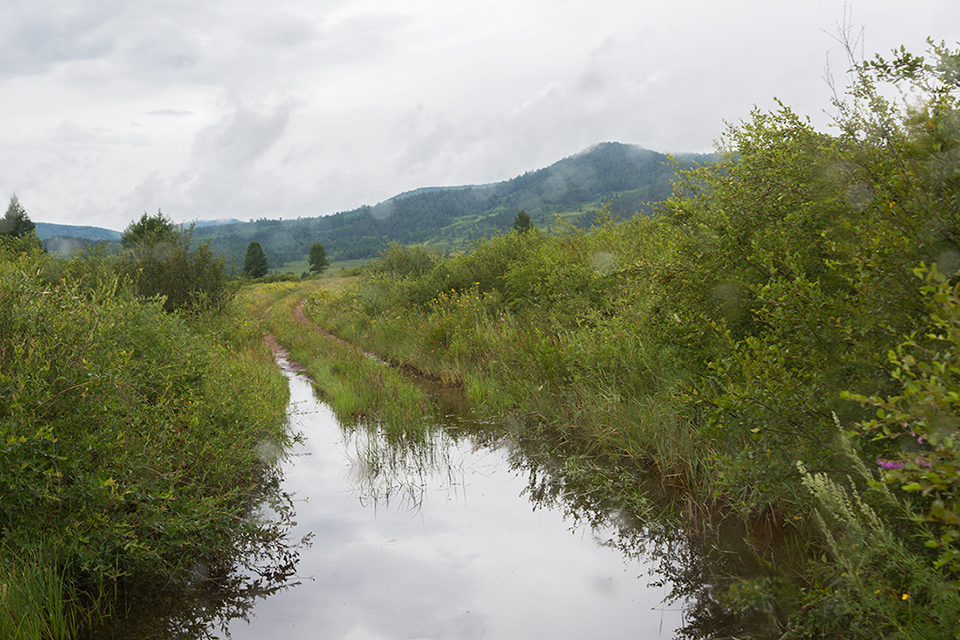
{"x": 577, "y": 382}
{"x": 385, "y": 412}
{"x": 40, "y": 601}
{"x": 358, "y": 386}
{"x": 333, "y": 271}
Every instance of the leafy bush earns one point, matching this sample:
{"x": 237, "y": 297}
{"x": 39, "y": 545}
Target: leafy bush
{"x": 128, "y": 442}
{"x": 398, "y": 261}
{"x": 919, "y": 424}
{"x": 14, "y": 246}
{"x": 160, "y": 261}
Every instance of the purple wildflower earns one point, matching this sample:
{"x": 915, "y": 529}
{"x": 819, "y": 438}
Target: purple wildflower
{"x": 889, "y": 465}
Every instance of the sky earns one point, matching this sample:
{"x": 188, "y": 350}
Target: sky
{"x": 209, "y": 109}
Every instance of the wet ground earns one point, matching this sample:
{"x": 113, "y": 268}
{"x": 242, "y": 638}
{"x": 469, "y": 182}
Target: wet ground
{"x": 460, "y": 534}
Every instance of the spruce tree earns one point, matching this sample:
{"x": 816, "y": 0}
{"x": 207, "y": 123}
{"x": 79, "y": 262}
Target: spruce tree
{"x": 318, "y": 258}
{"x": 522, "y": 222}
{"x": 16, "y": 223}
{"x": 255, "y": 264}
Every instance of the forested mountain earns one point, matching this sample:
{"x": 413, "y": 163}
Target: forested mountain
{"x": 47, "y": 230}
{"x": 627, "y": 176}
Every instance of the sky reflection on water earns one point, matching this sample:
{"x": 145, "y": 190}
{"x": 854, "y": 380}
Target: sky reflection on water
{"x": 451, "y": 550}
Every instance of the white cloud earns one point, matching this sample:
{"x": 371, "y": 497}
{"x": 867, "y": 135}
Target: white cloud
{"x": 170, "y": 112}
{"x": 298, "y": 107}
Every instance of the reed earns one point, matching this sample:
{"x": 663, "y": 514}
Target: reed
{"x": 37, "y": 602}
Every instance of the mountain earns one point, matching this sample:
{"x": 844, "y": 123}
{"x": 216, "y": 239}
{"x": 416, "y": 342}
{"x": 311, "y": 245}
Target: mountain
{"x": 47, "y": 230}
{"x": 212, "y": 223}
{"x": 65, "y": 238}
{"x": 627, "y": 177}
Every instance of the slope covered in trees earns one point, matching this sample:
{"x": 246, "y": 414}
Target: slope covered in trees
{"x": 451, "y": 218}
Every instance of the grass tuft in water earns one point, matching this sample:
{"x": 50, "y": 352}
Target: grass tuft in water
{"x": 36, "y": 600}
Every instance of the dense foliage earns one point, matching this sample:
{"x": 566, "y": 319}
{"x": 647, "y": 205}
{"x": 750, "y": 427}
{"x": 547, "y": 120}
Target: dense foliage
{"x": 255, "y": 264}
{"x": 148, "y": 230}
{"x": 132, "y": 440}
{"x": 160, "y": 260}
{"x": 774, "y": 297}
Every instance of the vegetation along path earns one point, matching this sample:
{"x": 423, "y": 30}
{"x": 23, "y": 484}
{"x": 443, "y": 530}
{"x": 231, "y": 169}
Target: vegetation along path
{"x": 776, "y": 343}
{"x": 778, "y": 340}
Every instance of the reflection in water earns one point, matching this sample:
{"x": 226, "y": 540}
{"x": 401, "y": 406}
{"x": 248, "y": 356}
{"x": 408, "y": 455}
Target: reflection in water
{"x": 394, "y": 471}
{"x": 456, "y": 530}
{"x": 222, "y": 590}
{"x": 727, "y": 578}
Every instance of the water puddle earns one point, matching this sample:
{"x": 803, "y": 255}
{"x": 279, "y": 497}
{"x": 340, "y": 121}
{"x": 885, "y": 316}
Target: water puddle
{"x": 458, "y": 535}
{"x": 439, "y": 540}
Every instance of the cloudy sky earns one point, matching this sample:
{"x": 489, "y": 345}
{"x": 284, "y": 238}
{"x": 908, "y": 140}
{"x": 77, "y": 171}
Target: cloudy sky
{"x": 247, "y": 109}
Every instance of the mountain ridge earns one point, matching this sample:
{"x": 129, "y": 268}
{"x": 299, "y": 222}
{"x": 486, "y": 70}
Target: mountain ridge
{"x": 627, "y": 177}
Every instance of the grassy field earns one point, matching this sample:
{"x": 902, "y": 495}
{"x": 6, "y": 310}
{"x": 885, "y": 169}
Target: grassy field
{"x": 333, "y": 271}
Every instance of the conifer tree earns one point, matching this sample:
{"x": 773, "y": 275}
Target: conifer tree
{"x": 255, "y": 264}
{"x": 522, "y": 222}
{"x": 16, "y": 223}
{"x": 318, "y": 258}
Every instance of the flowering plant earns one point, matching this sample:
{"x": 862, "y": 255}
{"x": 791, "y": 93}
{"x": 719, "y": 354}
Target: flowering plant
{"x": 924, "y": 420}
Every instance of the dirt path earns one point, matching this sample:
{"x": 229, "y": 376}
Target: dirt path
{"x": 281, "y": 354}
{"x": 301, "y": 317}
{"x": 303, "y": 320}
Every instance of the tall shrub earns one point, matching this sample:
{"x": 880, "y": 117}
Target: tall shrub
{"x": 161, "y": 261}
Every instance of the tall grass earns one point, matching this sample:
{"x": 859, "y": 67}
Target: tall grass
{"x": 36, "y": 601}
{"x": 530, "y": 324}
{"x": 358, "y": 386}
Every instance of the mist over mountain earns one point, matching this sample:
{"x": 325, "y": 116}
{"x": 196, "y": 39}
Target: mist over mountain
{"x": 626, "y": 177}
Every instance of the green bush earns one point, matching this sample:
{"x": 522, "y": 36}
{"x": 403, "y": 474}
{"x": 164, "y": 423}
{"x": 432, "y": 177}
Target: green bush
{"x": 919, "y": 423}
{"x": 128, "y": 442}
{"x": 162, "y": 263}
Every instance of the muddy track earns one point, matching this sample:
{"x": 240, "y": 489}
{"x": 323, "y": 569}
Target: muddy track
{"x": 298, "y": 314}
{"x": 281, "y": 354}
{"x": 303, "y": 320}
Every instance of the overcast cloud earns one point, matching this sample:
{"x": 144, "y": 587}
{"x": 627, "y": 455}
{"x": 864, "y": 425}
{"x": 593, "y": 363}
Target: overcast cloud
{"x": 208, "y": 109}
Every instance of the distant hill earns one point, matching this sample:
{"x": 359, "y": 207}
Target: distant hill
{"x": 46, "y": 230}
{"x": 212, "y": 223}
{"x": 628, "y": 177}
